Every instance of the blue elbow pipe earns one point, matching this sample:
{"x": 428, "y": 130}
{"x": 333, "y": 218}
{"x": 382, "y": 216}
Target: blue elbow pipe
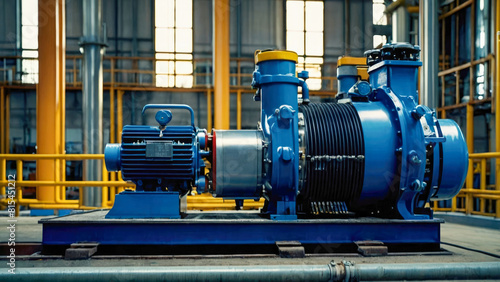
{"x": 305, "y": 92}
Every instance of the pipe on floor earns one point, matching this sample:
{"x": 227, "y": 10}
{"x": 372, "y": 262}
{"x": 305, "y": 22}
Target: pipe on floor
{"x": 344, "y": 271}
{"x": 423, "y": 271}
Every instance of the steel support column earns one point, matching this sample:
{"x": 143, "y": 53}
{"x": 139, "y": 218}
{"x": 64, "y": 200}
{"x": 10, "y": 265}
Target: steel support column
{"x": 62, "y": 103}
{"x": 238, "y": 109}
{"x": 3, "y": 122}
{"x": 7, "y": 122}
{"x": 428, "y": 18}
{"x": 51, "y": 90}
{"x": 497, "y": 100}
{"x": 209, "y": 110}
{"x": 92, "y": 97}
{"x": 401, "y": 24}
{"x": 221, "y": 23}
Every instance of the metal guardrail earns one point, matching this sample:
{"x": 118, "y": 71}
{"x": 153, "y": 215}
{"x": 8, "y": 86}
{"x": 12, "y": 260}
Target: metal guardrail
{"x": 477, "y": 197}
{"x": 482, "y": 199}
{"x": 111, "y": 184}
{"x": 141, "y": 72}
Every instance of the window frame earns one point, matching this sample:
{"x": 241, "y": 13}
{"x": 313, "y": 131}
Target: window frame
{"x": 315, "y": 64}
{"x": 167, "y": 62}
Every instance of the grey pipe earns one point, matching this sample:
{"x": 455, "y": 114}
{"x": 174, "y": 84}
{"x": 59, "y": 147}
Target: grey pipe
{"x": 428, "y": 18}
{"x": 344, "y": 271}
{"x": 93, "y": 49}
{"x": 178, "y": 273}
{"x": 423, "y": 271}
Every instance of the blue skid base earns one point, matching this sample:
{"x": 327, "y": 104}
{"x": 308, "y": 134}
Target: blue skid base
{"x": 139, "y": 204}
{"x": 233, "y": 229}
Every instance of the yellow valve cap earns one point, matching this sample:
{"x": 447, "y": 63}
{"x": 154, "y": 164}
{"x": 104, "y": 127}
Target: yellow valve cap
{"x": 351, "y": 61}
{"x": 261, "y": 56}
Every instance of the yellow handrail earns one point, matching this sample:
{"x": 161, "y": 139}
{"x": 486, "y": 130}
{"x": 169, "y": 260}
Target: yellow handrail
{"x": 464, "y": 201}
{"x": 59, "y": 201}
{"x": 109, "y": 187}
{"x": 488, "y": 196}
{"x": 73, "y": 72}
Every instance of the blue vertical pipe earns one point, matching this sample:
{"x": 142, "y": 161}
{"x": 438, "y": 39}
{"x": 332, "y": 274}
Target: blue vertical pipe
{"x": 275, "y": 77}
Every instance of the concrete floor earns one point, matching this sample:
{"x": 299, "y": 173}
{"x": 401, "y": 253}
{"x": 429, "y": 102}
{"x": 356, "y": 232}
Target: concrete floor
{"x": 484, "y": 239}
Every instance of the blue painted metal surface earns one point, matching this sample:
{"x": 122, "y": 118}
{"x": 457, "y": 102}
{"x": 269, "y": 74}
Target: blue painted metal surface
{"x": 38, "y": 212}
{"x": 63, "y": 212}
{"x": 386, "y": 79}
{"x": 455, "y": 158}
{"x": 112, "y": 157}
{"x": 278, "y": 88}
{"x": 154, "y": 162}
{"x": 163, "y": 117}
{"x": 249, "y": 229}
{"x": 408, "y": 159}
{"x": 381, "y": 160}
{"x": 140, "y": 204}
{"x": 399, "y": 133}
{"x": 170, "y": 106}
{"x": 157, "y": 159}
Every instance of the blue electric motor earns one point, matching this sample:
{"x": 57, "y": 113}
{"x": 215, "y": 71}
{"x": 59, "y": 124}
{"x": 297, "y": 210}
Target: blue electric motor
{"x": 375, "y": 151}
{"x": 160, "y": 158}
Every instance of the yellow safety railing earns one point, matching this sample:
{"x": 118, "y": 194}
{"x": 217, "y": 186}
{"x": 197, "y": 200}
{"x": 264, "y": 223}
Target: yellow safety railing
{"x": 109, "y": 186}
{"x": 128, "y": 73}
{"x": 481, "y": 200}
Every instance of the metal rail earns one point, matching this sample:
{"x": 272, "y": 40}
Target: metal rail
{"x": 59, "y": 201}
{"x": 111, "y": 184}
{"x": 345, "y": 271}
{"x": 481, "y": 200}
{"x": 475, "y": 198}
{"x": 117, "y": 74}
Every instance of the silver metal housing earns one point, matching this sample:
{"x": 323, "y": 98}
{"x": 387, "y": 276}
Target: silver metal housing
{"x": 238, "y": 163}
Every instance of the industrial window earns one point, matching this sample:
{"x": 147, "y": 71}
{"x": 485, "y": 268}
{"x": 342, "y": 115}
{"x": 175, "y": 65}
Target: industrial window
{"x": 174, "y": 43}
{"x": 304, "y": 35}
{"x": 379, "y": 18}
{"x": 29, "y": 41}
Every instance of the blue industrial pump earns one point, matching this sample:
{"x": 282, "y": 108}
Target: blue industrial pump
{"x": 374, "y": 151}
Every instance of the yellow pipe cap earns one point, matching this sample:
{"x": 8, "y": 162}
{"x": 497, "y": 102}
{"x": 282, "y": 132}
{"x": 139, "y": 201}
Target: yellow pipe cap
{"x": 351, "y": 61}
{"x": 261, "y": 56}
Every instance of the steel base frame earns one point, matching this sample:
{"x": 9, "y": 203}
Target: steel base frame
{"x": 205, "y": 228}
{"x": 140, "y": 204}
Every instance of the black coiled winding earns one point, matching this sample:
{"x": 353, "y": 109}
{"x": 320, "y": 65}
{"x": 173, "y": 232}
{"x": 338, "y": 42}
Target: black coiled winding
{"x": 332, "y": 129}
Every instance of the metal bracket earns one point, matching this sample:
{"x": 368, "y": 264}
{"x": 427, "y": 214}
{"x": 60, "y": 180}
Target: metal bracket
{"x": 371, "y": 248}
{"x": 81, "y": 250}
{"x": 290, "y": 249}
